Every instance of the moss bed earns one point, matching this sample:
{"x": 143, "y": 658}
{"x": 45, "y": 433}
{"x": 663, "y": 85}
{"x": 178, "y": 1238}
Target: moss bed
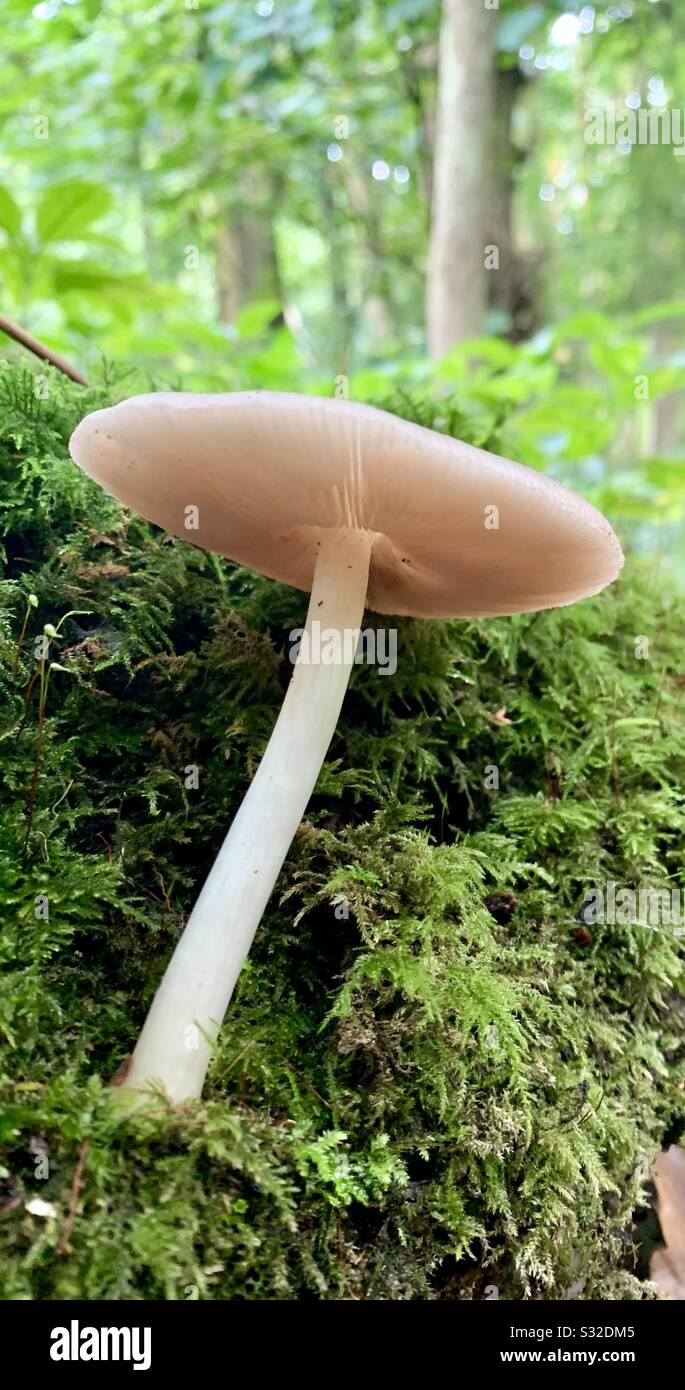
{"x": 433, "y": 1078}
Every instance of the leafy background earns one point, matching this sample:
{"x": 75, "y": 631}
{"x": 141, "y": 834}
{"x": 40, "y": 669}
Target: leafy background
{"x": 168, "y": 201}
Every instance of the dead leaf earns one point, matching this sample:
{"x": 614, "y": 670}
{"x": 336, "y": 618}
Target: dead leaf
{"x": 97, "y": 539}
{"x": 501, "y": 905}
{"x": 10, "y": 1205}
{"x": 122, "y": 1071}
{"x": 108, "y": 570}
{"x": 500, "y": 717}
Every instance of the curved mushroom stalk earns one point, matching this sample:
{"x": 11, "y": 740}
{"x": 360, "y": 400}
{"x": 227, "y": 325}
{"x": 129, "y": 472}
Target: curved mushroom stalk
{"x": 174, "y": 1048}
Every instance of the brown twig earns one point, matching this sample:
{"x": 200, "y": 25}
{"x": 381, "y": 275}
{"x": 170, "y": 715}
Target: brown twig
{"x": 27, "y": 700}
{"x": 14, "y": 330}
{"x": 22, "y": 634}
{"x": 73, "y": 1199}
{"x": 308, "y": 1084}
{"x": 122, "y": 1071}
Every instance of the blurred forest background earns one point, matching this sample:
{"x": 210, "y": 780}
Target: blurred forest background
{"x": 364, "y": 198}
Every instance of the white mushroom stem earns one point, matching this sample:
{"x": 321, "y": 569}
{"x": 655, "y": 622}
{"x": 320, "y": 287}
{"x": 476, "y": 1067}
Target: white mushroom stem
{"x": 174, "y": 1048}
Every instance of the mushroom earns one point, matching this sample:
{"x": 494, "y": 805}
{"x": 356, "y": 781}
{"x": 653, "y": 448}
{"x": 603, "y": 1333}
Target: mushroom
{"x": 359, "y": 508}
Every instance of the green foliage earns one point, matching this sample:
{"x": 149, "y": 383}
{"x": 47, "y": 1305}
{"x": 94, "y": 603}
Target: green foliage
{"x": 416, "y": 1093}
{"x": 185, "y": 120}
{"x": 191, "y": 190}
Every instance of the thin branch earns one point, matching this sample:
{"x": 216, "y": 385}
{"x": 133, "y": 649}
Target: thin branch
{"x": 22, "y": 634}
{"x": 63, "y": 1242}
{"x": 13, "y": 330}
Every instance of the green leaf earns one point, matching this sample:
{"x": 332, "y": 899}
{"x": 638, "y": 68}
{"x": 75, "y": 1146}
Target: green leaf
{"x": 655, "y": 313}
{"x": 10, "y": 215}
{"x": 86, "y": 275}
{"x": 256, "y": 317}
{"x": 496, "y": 351}
{"x": 67, "y": 209}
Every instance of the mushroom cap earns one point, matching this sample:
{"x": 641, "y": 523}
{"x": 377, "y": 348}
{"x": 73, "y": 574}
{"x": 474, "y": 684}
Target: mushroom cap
{"x": 258, "y": 475}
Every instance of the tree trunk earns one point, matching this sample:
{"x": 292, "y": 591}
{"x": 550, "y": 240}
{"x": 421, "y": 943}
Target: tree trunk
{"x": 667, "y": 408}
{"x": 502, "y": 281}
{"x": 343, "y": 320}
{"x": 513, "y": 286}
{"x": 377, "y": 283}
{"x": 246, "y": 263}
{"x": 457, "y": 287}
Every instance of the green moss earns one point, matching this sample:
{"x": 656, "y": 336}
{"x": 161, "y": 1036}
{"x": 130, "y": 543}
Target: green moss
{"x": 420, "y": 1089}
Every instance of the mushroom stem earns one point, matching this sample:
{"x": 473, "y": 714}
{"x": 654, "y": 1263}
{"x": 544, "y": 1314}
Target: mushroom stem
{"x": 174, "y": 1048}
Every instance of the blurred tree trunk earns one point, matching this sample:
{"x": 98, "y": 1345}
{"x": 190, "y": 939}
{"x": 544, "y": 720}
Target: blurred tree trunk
{"x": 344, "y": 317}
{"x": 667, "y": 408}
{"x": 414, "y": 67}
{"x": 246, "y": 264}
{"x": 377, "y": 289}
{"x": 511, "y": 285}
{"x": 457, "y": 287}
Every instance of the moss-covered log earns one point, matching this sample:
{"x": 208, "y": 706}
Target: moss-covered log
{"x": 433, "y": 1077}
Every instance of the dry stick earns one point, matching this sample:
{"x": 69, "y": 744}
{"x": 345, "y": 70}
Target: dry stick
{"x": 14, "y": 330}
{"x": 73, "y": 1199}
{"x": 22, "y": 634}
{"x": 27, "y": 699}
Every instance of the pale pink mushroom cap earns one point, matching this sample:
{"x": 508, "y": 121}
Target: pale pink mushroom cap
{"x": 268, "y": 472}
